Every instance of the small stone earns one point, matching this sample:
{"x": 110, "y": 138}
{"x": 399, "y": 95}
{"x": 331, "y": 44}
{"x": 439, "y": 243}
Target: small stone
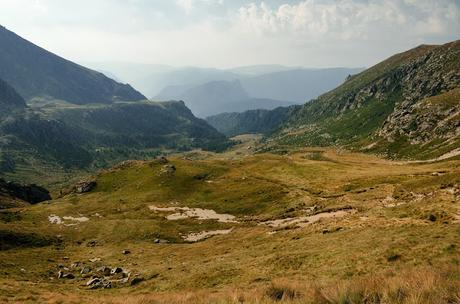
{"x": 126, "y": 251}
{"x": 104, "y": 270}
{"x": 85, "y": 270}
{"x": 137, "y": 280}
{"x": 93, "y": 281}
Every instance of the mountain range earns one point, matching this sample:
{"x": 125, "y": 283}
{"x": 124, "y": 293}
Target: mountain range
{"x": 260, "y": 86}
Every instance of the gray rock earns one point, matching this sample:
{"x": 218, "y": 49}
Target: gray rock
{"x": 104, "y": 270}
{"x": 85, "y": 270}
{"x": 84, "y": 186}
{"x": 62, "y": 275}
{"x": 116, "y": 270}
{"x": 93, "y": 281}
{"x": 137, "y": 280}
{"x": 168, "y": 170}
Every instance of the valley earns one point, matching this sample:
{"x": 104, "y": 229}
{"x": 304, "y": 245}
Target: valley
{"x": 299, "y": 182}
{"x": 315, "y": 225}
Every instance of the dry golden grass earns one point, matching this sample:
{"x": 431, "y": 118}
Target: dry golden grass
{"x": 404, "y": 253}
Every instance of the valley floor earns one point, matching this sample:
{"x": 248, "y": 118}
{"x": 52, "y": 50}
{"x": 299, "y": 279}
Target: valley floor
{"x": 311, "y": 226}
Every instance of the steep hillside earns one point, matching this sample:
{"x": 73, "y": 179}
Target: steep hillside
{"x": 252, "y": 121}
{"x": 9, "y": 98}
{"x": 388, "y": 108}
{"x": 37, "y": 73}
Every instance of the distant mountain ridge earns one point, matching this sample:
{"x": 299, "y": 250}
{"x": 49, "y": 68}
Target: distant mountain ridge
{"x": 222, "y": 96}
{"x": 37, "y": 73}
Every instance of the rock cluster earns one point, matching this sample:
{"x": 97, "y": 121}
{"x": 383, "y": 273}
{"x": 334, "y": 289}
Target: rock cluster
{"x": 84, "y": 186}
{"x": 98, "y": 275}
{"x": 168, "y": 170}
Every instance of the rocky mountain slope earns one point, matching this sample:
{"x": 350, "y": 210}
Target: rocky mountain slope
{"x": 38, "y": 74}
{"x": 252, "y": 121}
{"x": 406, "y": 106}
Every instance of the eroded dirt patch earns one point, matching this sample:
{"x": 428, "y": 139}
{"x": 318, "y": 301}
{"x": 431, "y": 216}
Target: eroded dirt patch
{"x": 199, "y": 236}
{"x": 303, "y": 221}
{"x": 196, "y": 213}
{"x": 55, "y": 219}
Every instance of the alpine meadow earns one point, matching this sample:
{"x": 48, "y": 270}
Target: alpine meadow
{"x": 229, "y": 152}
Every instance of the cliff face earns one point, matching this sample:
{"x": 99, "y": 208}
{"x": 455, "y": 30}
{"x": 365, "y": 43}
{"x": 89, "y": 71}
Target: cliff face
{"x": 395, "y": 107}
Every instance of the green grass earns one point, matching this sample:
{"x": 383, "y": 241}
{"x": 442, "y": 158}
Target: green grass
{"x": 364, "y": 246}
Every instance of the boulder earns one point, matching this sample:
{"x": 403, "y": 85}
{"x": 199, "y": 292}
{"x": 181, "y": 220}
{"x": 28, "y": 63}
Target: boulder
{"x": 168, "y": 170}
{"x": 84, "y": 186}
{"x": 62, "y": 275}
{"x": 104, "y": 270}
{"x": 137, "y": 280}
{"x": 85, "y": 270}
{"x": 116, "y": 270}
{"x": 31, "y": 194}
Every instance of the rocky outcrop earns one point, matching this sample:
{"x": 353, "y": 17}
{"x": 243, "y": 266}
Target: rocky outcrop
{"x": 434, "y": 117}
{"x": 11, "y": 192}
{"x": 84, "y": 186}
{"x": 417, "y": 116}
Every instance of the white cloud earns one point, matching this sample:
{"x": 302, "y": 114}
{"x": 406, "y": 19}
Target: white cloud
{"x": 189, "y": 5}
{"x": 348, "y": 19}
{"x": 313, "y": 33}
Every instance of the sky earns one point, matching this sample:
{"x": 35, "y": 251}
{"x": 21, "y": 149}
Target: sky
{"x": 231, "y": 33}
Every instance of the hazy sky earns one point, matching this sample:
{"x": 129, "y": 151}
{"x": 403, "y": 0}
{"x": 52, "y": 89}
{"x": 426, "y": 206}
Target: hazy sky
{"x": 228, "y": 33}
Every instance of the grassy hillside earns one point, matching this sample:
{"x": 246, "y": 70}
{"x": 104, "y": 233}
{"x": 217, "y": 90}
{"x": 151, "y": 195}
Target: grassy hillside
{"x": 67, "y": 138}
{"x": 37, "y": 73}
{"x": 312, "y": 226}
{"x": 252, "y": 121}
{"x": 365, "y": 111}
